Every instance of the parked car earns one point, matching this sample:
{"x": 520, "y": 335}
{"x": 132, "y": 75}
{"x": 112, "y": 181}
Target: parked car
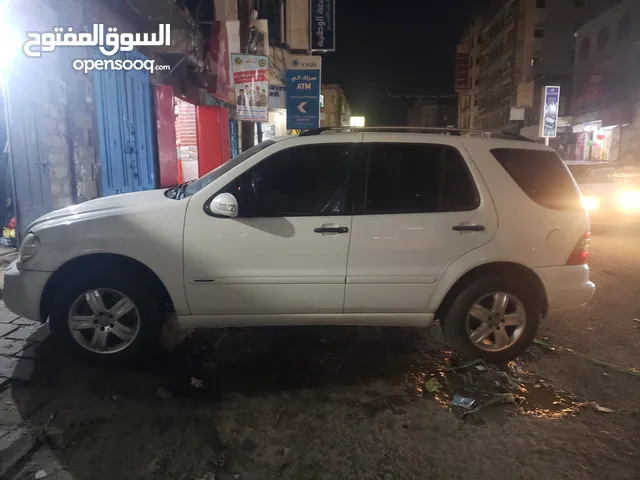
{"x": 365, "y": 227}
{"x": 611, "y": 194}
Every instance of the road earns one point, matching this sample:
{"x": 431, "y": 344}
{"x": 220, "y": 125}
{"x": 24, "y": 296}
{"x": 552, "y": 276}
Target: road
{"x": 351, "y": 403}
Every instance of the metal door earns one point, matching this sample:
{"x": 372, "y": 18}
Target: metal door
{"x": 29, "y": 165}
{"x": 125, "y": 119}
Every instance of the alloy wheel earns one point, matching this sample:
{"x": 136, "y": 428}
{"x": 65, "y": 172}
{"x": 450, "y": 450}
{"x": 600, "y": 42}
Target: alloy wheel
{"x": 104, "y": 321}
{"x": 496, "y": 321}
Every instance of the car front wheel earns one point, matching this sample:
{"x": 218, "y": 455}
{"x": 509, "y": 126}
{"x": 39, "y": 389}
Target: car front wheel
{"x": 493, "y": 319}
{"x": 108, "y": 318}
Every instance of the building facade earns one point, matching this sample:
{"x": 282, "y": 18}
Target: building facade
{"x": 468, "y": 76}
{"x": 334, "y": 107}
{"x": 518, "y": 47}
{"x": 433, "y": 113}
{"x": 74, "y": 135}
{"x": 71, "y": 136}
{"x": 606, "y": 104}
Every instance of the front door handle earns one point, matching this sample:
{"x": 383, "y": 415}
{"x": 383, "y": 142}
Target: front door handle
{"x": 331, "y": 228}
{"x": 469, "y": 228}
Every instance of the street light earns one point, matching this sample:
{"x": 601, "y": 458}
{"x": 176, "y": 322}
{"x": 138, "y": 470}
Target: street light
{"x": 10, "y": 44}
{"x": 356, "y": 122}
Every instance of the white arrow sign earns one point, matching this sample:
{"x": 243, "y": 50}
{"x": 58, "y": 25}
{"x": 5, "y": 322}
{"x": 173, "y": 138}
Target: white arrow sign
{"x": 301, "y": 107}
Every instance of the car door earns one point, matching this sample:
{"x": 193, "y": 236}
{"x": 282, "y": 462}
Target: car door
{"x": 286, "y": 251}
{"x": 424, "y": 205}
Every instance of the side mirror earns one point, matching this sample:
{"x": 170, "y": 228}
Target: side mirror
{"x": 224, "y": 205}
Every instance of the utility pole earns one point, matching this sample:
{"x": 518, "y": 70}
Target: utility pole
{"x": 244, "y": 15}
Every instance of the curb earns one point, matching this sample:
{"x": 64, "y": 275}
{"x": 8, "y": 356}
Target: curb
{"x": 14, "y": 446}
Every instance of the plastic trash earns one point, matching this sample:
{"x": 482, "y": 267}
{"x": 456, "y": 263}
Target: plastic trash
{"x": 432, "y": 385}
{"x": 463, "y": 402}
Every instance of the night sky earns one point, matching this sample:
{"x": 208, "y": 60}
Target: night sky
{"x": 403, "y": 47}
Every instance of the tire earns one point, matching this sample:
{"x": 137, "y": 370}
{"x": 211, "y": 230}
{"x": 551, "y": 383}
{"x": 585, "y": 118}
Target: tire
{"x": 456, "y": 323}
{"x": 146, "y": 308}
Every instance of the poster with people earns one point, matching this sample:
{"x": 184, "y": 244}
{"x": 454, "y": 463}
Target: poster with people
{"x": 251, "y": 85}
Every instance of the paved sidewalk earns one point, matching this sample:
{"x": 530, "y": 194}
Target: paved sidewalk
{"x": 19, "y": 342}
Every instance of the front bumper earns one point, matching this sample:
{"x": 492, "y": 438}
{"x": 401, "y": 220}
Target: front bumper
{"x": 23, "y": 290}
{"x": 568, "y": 287}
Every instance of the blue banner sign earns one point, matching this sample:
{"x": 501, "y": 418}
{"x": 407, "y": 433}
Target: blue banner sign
{"x": 303, "y": 93}
{"x": 322, "y": 25}
{"x": 550, "y": 108}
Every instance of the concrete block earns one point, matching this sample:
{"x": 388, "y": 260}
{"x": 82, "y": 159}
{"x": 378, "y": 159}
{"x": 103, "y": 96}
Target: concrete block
{"x": 83, "y": 120}
{"x": 56, "y": 187}
{"x": 60, "y": 170}
{"x": 6, "y": 316}
{"x": 7, "y": 328}
{"x": 25, "y": 322}
{"x": 51, "y": 125}
{"x": 35, "y": 333}
{"x": 14, "y": 446}
{"x": 16, "y": 368}
{"x": 10, "y": 347}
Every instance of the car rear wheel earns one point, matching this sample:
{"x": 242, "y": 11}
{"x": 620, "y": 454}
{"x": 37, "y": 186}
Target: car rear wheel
{"x": 107, "y": 318}
{"x": 493, "y": 319}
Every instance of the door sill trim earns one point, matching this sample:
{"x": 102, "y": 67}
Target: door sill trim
{"x": 297, "y": 319}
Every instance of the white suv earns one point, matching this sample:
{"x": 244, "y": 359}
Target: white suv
{"x": 365, "y": 227}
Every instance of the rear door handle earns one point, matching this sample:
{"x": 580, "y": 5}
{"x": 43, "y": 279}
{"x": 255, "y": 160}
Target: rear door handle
{"x": 469, "y": 228}
{"x": 331, "y": 228}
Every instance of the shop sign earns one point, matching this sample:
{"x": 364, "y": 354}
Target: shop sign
{"x": 277, "y": 96}
{"x": 303, "y": 93}
{"x": 322, "y": 25}
{"x": 550, "y": 107}
{"x": 251, "y": 87}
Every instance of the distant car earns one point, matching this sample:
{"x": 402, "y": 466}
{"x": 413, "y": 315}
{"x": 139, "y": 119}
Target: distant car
{"x": 610, "y": 194}
{"x": 354, "y": 228}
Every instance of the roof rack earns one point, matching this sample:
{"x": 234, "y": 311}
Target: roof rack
{"x": 428, "y": 130}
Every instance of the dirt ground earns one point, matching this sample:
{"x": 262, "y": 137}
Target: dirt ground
{"x": 330, "y": 403}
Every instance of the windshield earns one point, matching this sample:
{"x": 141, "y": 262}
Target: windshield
{"x": 205, "y": 180}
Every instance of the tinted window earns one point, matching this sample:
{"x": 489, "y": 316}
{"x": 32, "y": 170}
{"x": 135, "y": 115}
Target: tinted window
{"x": 542, "y": 176}
{"x": 418, "y": 178}
{"x": 205, "y": 180}
{"x": 300, "y": 181}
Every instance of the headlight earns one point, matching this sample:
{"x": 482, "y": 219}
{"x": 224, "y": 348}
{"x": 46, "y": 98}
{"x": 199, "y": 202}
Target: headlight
{"x": 630, "y": 200}
{"x": 590, "y": 203}
{"x": 29, "y": 248}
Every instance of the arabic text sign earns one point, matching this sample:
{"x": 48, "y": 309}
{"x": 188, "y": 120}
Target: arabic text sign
{"x": 322, "y": 25}
{"x": 550, "y": 107}
{"x": 251, "y": 86}
{"x": 277, "y": 96}
{"x": 303, "y": 93}
{"x": 107, "y": 39}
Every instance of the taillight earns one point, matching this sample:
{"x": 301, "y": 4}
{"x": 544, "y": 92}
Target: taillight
{"x": 580, "y": 253}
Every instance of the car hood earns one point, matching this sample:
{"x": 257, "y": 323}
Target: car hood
{"x": 106, "y": 206}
